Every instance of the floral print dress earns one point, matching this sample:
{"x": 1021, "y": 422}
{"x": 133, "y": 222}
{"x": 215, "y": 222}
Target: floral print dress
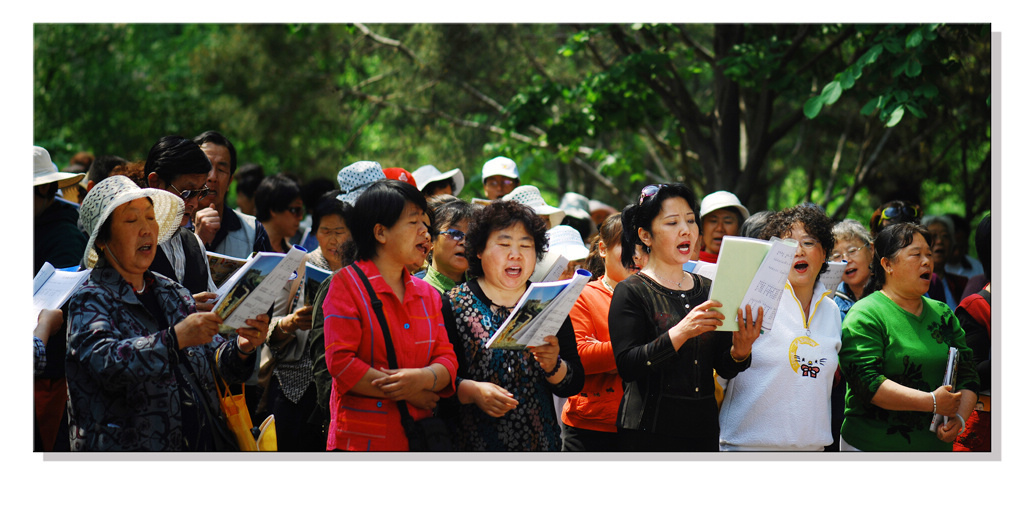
{"x": 471, "y": 319}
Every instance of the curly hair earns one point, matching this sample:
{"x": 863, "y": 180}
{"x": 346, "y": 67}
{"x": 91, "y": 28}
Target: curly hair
{"x": 816, "y": 223}
{"x": 498, "y": 215}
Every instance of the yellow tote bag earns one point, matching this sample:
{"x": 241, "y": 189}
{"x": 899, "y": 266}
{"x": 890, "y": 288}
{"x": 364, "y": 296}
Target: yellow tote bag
{"x": 237, "y": 415}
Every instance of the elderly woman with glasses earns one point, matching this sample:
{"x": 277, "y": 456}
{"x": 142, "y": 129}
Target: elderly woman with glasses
{"x": 895, "y": 347}
{"x": 783, "y": 401}
{"x": 504, "y": 397}
{"x": 664, "y": 331}
{"x": 141, "y": 359}
{"x": 853, "y": 245}
{"x": 448, "y": 258}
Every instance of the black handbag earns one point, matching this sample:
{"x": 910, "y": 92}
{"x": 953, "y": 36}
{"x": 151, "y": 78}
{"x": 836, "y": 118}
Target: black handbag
{"x": 428, "y": 434}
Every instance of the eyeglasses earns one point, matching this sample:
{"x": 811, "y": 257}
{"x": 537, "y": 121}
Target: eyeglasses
{"x": 900, "y": 212}
{"x": 454, "y": 234}
{"x": 846, "y": 255}
{"x": 295, "y": 210}
{"x": 189, "y": 194}
{"x": 498, "y": 182}
{"x": 806, "y": 243}
{"x": 649, "y": 191}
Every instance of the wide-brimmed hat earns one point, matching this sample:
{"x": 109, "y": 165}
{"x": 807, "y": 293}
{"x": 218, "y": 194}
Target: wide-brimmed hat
{"x": 397, "y": 173}
{"x": 429, "y": 174}
{"x": 108, "y": 194}
{"x": 530, "y": 196}
{"x": 353, "y": 179}
{"x": 501, "y": 166}
{"x": 45, "y": 171}
{"x": 562, "y": 241}
{"x": 722, "y": 199}
{"x": 576, "y": 205}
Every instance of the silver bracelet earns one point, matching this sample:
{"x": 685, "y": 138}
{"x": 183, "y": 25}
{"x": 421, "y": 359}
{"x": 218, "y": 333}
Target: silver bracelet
{"x": 435, "y": 378}
{"x": 935, "y": 405}
{"x": 963, "y": 424}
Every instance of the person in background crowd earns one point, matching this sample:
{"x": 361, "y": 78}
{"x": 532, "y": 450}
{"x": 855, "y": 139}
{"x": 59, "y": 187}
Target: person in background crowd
{"x": 783, "y": 400}
{"x": 853, "y": 245}
{"x": 664, "y": 335}
{"x": 49, "y": 324}
{"x": 895, "y": 346}
{"x": 751, "y": 228}
{"x": 577, "y": 214}
{"x": 599, "y": 212}
{"x": 137, "y": 346}
{"x": 355, "y": 177}
{"x": 311, "y": 191}
{"x": 500, "y": 176}
{"x": 945, "y": 287}
{"x": 448, "y": 259}
{"x": 178, "y": 165}
{"x": 279, "y": 208}
{"x": 589, "y": 417}
{"x": 330, "y": 225}
{"x": 975, "y": 316}
{"x": 893, "y": 212}
{"x": 530, "y": 196}
{"x": 389, "y": 231}
{"x": 433, "y": 182}
{"x": 56, "y": 237}
{"x": 721, "y": 214}
{"x": 246, "y": 180}
{"x": 563, "y": 241}
{"x": 100, "y": 169}
{"x": 503, "y": 399}
{"x": 221, "y": 229}
{"x": 400, "y": 174}
{"x": 959, "y": 262}
{"x": 135, "y": 171}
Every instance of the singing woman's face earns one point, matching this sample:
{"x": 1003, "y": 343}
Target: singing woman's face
{"x": 509, "y": 257}
{"x": 673, "y": 232}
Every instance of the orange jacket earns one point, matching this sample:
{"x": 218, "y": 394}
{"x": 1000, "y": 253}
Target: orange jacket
{"x": 596, "y": 407}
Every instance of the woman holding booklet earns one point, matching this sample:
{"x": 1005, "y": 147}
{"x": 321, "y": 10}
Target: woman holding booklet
{"x": 895, "y": 347}
{"x": 783, "y": 401}
{"x": 140, "y": 357}
{"x": 663, "y": 333}
{"x": 504, "y": 396}
{"x": 369, "y": 394}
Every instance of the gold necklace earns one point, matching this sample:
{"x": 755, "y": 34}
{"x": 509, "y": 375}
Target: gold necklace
{"x": 604, "y": 281}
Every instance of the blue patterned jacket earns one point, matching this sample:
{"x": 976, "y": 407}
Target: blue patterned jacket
{"x": 122, "y": 392}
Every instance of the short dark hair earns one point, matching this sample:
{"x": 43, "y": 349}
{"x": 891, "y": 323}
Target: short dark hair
{"x": 501, "y": 214}
{"x": 174, "y": 155}
{"x": 641, "y": 213}
{"x": 751, "y": 228}
{"x": 434, "y": 185}
{"x": 313, "y": 190}
{"x": 101, "y": 167}
{"x": 890, "y": 241}
{"x": 274, "y": 194}
{"x": 248, "y": 178}
{"x": 448, "y": 210}
{"x": 329, "y": 204}
{"x": 216, "y": 138}
{"x": 382, "y": 202}
{"x": 816, "y": 223}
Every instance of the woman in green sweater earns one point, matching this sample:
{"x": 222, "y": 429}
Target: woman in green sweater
{"x": 895, "y": 345}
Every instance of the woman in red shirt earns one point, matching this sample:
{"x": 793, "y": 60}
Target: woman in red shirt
{"x": 389, "y": 230}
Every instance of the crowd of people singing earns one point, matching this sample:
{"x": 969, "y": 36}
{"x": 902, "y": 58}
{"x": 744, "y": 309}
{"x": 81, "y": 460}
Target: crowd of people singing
{"x": 421, "y": 278}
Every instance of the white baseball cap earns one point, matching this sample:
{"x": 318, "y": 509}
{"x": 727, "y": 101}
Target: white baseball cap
{"x": 501, "y": 166}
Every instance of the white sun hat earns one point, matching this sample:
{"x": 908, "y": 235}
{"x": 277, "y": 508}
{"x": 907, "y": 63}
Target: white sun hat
{"x": 576, "y": 205}
{"x": 530, "y": 196}
{"x": 562, "y": 241}
{"x": 108, "y": 194}
{"x": 45, "y": 171}
{"x": 722, "y": 199}
{"x": 354, "y": 178}
{"x": 501, "y": 166}
{"x": 429, "y": 174}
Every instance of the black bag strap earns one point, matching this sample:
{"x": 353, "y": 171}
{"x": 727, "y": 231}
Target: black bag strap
{"x": 378, "y": 307}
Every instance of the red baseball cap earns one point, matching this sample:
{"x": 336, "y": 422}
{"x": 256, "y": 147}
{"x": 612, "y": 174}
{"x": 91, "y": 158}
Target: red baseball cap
{"x": 397, "y": 173}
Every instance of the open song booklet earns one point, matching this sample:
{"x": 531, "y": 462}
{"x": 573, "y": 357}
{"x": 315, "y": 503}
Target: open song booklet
{"x": 540, "y": 312}
{"x": 252, "y": 290}
{"x": 52, "y": 287}
{"x": 751, "y": 271}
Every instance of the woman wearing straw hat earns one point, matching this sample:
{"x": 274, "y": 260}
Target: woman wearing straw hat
{"x": 137, "y": 348}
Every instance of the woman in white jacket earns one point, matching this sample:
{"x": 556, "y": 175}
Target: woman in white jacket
{"x": 782, "y": 402}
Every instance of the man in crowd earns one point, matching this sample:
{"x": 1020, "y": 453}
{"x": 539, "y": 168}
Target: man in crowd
{"x": 501, "y": 176}
{"x": 56, "y": 235}
{"x": 222, "y": 229}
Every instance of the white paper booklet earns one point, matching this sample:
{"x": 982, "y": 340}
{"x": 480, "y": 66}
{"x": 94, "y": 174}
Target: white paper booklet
{"x": 51, "y": 287}
{"x": 753, "y": 272}
{"x": 539, "y": 313}
{"x": 252, "y": 290}
{"x": 833, "y": 276}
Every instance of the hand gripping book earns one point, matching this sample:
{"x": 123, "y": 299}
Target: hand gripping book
{"x": 949, "y": 379}
{"x": 52, "y": 287}
{"x": 252, "y": 290}
{"x": 751, "y": 271}
{"x": 540, "y": 312}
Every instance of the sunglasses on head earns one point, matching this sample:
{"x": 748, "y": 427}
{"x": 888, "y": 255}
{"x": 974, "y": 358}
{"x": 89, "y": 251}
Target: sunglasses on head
{"x": 649, "y": 191}
{"x": 189, "y": 194}
{"x": 900, "y": 212}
